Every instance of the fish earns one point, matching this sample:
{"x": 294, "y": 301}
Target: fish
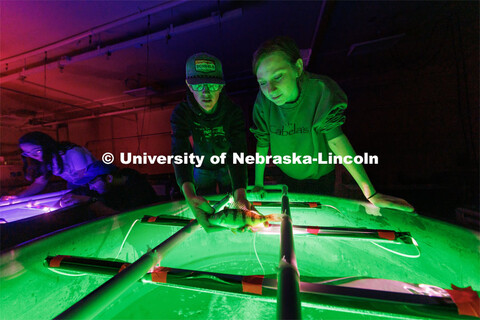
{"x": 239, "y": 218}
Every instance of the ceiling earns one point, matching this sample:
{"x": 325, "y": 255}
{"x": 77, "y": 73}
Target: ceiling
{"x": 62, "y": 61}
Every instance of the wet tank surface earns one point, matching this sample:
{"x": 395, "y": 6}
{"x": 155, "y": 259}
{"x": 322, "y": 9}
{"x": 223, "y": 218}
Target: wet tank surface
{"x": 439, "y": 255}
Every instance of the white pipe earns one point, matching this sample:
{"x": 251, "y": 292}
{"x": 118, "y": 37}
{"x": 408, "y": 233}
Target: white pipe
{"x": 359, "y": 44}
{"x": 119, "y": 102}
{"x": 108, "y": 114}
{"x": 98, "y": 29}
{"x": 123, "y": 45}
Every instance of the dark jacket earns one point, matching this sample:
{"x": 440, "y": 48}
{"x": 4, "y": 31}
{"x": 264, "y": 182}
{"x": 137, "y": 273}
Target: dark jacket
{"x": 215, "y": 133}
{"x": 129, "y": 190}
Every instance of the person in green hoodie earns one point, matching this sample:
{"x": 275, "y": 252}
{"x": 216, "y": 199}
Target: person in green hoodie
{"x": 300, "y": 112}
{"x": 217, "y": 127}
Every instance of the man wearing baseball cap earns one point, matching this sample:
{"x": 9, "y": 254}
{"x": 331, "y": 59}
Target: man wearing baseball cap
{"x": 217, "y": 126}
{"x": 117, "y": 189}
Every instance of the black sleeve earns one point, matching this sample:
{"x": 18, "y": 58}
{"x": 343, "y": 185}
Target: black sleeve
{"x": 139, "y": 192}
{"x": 136, "y": 192}
{"x": 181, "y": 144}
{"x": 238, "y": 142}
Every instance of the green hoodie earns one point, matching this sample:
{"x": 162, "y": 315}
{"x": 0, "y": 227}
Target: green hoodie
{"x": 302, "y": 127}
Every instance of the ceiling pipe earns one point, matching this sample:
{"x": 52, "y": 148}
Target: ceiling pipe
{"x": 183, "y": 89}
{"x": 323, "y": 21}
{"x": 130, "y": 110}
{"x": 126, "y": 44}
{"x": 62, "y": 92}
{"x": 44, "y": 98}
{"x": 132, "y": 17}
{"x": 128, "y": 137}
{"x": 101, "y": 115}
{"x": 317, "y": 27}
{"x": 319, "y": 20}
{"x": 113, "y": 104}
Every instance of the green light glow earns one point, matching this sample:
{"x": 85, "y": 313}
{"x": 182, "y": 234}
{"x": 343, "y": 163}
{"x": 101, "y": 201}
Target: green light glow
{"x": 448, "y": 255}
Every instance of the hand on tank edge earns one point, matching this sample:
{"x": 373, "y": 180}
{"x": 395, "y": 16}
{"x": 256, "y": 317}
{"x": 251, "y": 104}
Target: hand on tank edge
{"x": 8, "y": 198}
{"x": 259, "y": 191}
{"x": 71, "y": 199}
{"x": 391, "y": 202}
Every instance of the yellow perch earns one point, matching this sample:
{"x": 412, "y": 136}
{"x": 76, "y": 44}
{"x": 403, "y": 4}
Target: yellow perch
{"x": 238, "y": 218}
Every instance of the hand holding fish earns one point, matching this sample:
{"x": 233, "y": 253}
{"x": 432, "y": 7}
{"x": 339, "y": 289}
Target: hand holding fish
{"x": 8, "y": 198}
{"x": 238, "y": 219}
{"x": 259, "y": 191}
{"x": 200, "y": 209}
{"x": 199, "y": 206}
{"x": 240, "y": 200}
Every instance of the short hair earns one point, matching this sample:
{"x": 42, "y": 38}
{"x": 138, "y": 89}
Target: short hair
{"x": 283, "y": 44}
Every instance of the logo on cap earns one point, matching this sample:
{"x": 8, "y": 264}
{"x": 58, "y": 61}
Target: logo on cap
{"x": 202, "y": 65}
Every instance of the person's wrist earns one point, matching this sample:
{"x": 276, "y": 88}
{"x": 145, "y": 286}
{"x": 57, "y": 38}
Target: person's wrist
{"x": 372, "y": 195}
{"x": 239, "y": 194}
{"x": 259, "y": 183}
{"x": 188, "y": 190}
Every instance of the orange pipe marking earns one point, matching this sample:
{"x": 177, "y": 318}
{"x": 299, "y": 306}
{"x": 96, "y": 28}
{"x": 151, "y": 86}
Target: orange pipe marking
{"x": 123, "y": 267}
{"x": 159, "y": 274}
{"x": 467, "y": 301}
{"x": 389, "y": 235}
{"x": 55, "y": 262}
{"x": 313, "y": 230}
{"x": 252, "y": 284}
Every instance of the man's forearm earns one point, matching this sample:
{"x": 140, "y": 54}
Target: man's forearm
{"x": 240, "y": 193}
{"x": 188, "y": 189}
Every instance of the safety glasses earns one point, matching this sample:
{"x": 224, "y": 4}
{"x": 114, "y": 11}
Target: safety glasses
{"x": 209, "y": 86}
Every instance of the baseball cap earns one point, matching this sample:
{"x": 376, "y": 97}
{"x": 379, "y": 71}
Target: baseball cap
{"x": 204, "y": 68}
{"x": 94, "y": 170}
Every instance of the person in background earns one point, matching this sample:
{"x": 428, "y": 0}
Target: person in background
{"x": 217, "y": 126}
{"x": 43, "y": 157}
{"x": 116, "y": 189}
{"x": 297, "y": 111}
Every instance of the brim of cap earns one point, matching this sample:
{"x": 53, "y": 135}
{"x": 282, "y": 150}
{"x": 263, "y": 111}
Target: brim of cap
{"x": 84, "y": 180}
{"x": 200, "y": 80}
{"x": 89, "y": 176}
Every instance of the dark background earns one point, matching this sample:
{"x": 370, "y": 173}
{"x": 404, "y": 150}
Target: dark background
{"x": 409, "y": 68}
